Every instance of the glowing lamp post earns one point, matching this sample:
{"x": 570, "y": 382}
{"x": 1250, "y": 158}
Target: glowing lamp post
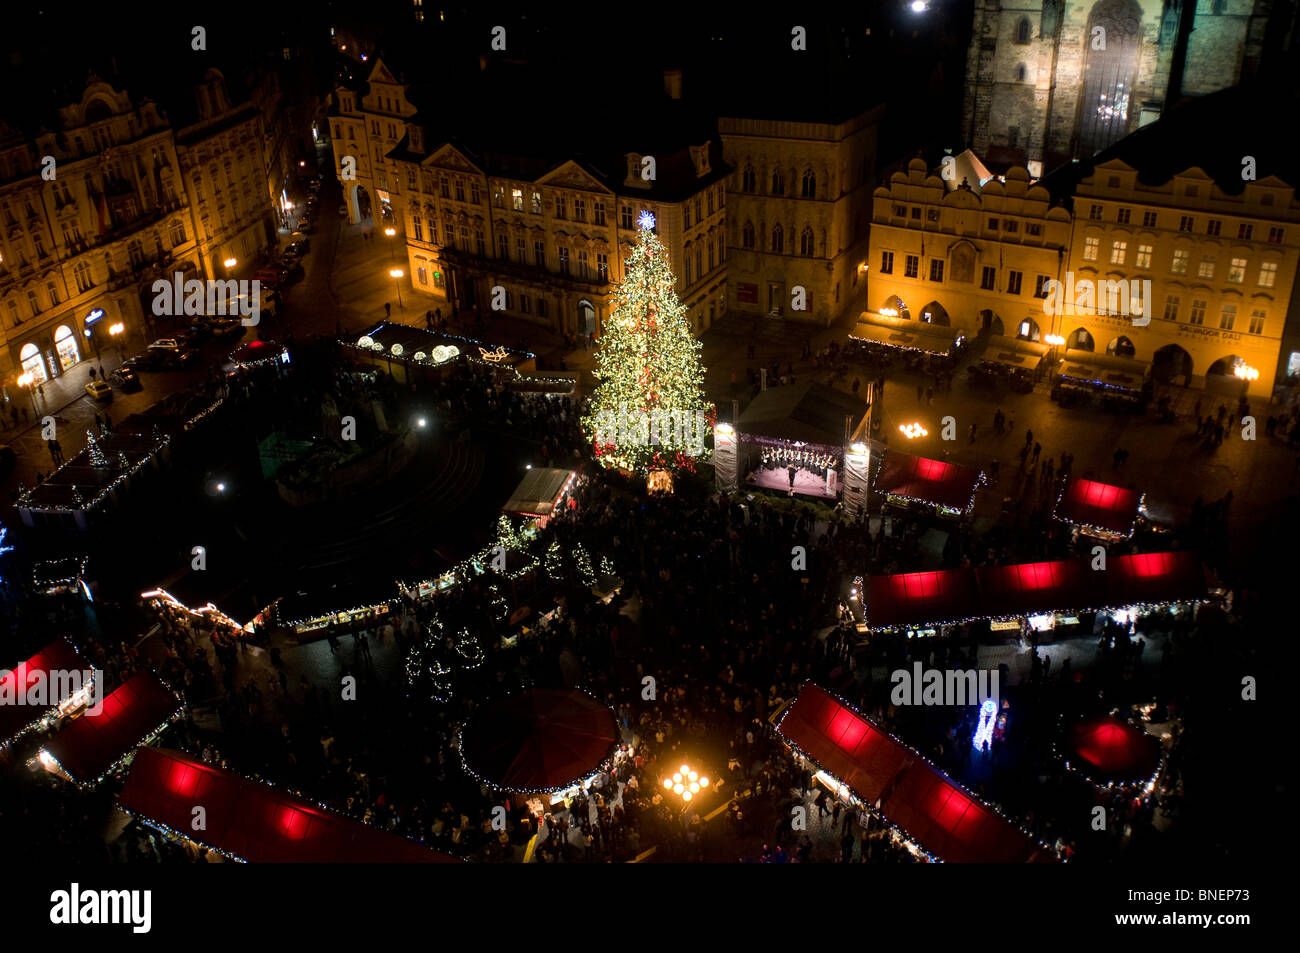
{"x": 396, "y": 274}
{"x": 27, "y": 382}
{"x": 230, "y": 263}
{"x": 686, "y": 783}
{"x": 913, "y": 430}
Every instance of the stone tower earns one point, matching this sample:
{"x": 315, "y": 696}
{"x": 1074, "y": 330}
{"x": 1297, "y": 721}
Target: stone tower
{"x": 1052, "y": 80}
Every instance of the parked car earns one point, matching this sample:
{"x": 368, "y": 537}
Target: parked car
{"x": 293, "y": 269}
{"x": 150, "y": 359}
{"x": 98, "y": 390}
{"x": 227, "y": 328}
{"x": 165, "y": 344}
{"x": 194, "y": 335}
{"x": 272, "y": 276}
{"x": 306, "y": 227}
{"x": 180, "y": 359}
{"x": 126, "y": 380}
{"x": 300, "y": 246}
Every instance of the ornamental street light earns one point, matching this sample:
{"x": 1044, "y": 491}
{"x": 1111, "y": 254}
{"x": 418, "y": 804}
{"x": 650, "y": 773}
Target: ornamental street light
{"x": 396, "y": 274}
{"x": 686, "y": 783}
{"x": 27, "y": 382}
{"x": 913, "y": 430}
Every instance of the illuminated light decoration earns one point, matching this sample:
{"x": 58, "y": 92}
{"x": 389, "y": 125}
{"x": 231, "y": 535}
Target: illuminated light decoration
{"x": 913, "y": 430}
{"x": 258, "y": 354}
{"x": 988, "y": 721}
{"x": 686, "y": 783}
{"x": 495, "y": 357}
{"x": 907, "y": 480}
{"x": 1245, "y": 372}
{"x": 1083, "y": 738}
{"x": 1084, "y": 503}
{"x": 419, "y": 356}
{"x": 59, "y": 656}
{"x": 209, "y": 611}
{"x": 1055, "y": 340}
{"x": 440, "y": 354}
{"x": 79, "y": 502}
{"x": 366, "y": 341}
{"x": 396, "y": 350}
{"x": 645, "y": 220}
{"x": 648, "y": 362}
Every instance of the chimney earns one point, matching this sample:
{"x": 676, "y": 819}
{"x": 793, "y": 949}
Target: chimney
{"x": 673, "y": 83}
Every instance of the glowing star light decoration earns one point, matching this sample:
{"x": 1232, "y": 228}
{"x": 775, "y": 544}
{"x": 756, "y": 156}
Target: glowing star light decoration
{"x": 648, "y": 363}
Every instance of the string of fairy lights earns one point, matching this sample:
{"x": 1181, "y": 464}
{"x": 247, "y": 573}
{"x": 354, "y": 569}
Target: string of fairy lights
{"x": 647, "y": 360}
{"x": 1091, "y": 529}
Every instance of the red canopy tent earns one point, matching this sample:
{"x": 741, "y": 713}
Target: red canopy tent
{"x": 538, "y": 741}
{"x": 16, "y": 719}
{"x": 946, "y": 820}
{"x": 929, "y": 481}
{"x": 1090, "y": 504}
{"x": 920, "y": 599}
{"x": 89, "y": 747}
{"x": 1107, "y": 749}
{"x": 252, "y": 821}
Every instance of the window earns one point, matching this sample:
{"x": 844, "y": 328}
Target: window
{"x": 411, "y": 182}
{"x": 1256, "y": 322}
{"x": 1213, "y": 226}
{"x": 81, "y": 274}
{"x": 1179, "y": 264}
{"x": 579, "y": 210}
{"x": 699, "y": 261}
{"x": 1010, "y": 226}
{"x": 1118, "y": 252}
{"x": 1275, "y": 234}
{"x": 539, "y": 254}
{"x": 690, "y": 275}
{"x": 1020, "y": 73}
{"x": 444, "y": 188}
{"x": 1091, "y": 247}
{"x": 699, "y": 209}
{"x": 1267, "y": 274}
{"x": 474, "y": 196}
{"x": 916, "y": 213}
{"x": 498, "y": 197}
{"x": 932, "y": 215}
{"x": 1033, "y": 228}
{"x": 686, "y": 215}
{"x": 1206, "y": 268}
{"x": 1227, "y": 317}
{"x": 1023, "y": 31}
{"x": 887, "y": 263}
{"x": 778, "y": 239}
{"x": 1040, "y": 286}
{"x": 602, "y": 266}
{"x": 525, "y": 304}
{"x": 34, "y": 303}
{"x": 1171, "y": 308}
{"x": 503, "y": 246}
{"x": 1094, "y": 213}
{"x": 712, "y": 256}
{"x": 541, "y": 307}
{"x": 1122, "y": 216}
{"x": 53, "y": 292}
{"x": 1149, "y": 219}
{"x": 936, "y": 269}
{"x": 809, "y": 184}
{"x": 176, "y": 232}
{"x": 709, "y": 201}
{"x": 778, "y": 182}
{"x": 1186, "y": 224}
{"x": 433, "y": 228}
{"x": 747, "y": 235}
{"x": 1237, "y": 271}
{"x": 911, "y": 266}
{"x": 417, "y": 226}
{"x": 564, "y": 260}
{"x": 1013, "y": 282}
{"x": 537, "y": 203}
{"x": 584, "y": 267}
{"x": 625, "y": 217}
{"x": 806, "y": 242}
{"x": 748, "y": 179}
{"x": 598, "y": 213}
{"x": 988, "y": 279}
{"x": 460, "y": 190}
{"x": 559, "y": 206}
{"x": 1144, "y": 256}
{"x": 517, "y": 199}
{"x": 521, "y": 249}
{"x": 1244, "y": 232}
{"x": 1197, "y": 316}
{"x": 900, "y": 211}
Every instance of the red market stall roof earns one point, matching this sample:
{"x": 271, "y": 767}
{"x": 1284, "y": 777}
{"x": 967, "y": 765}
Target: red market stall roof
{"x": 1107, "y": 749}
{"x": 538, "y": 741}
{"x": 946, "y": 820}
{"x": 919, "y": 599}
{"x": 16, "y": 718}
{"x": 89, "y": 747}
{"x": 253, "y": 821}
{"x": 930, "y": 481}
{"x": 1089, "y": 503}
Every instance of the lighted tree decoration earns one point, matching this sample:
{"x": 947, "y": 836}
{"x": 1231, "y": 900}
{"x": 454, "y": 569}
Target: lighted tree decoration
{"x": 583, "y": 561}
{"x": 97, "y": 458}
{"x": 554, "y": 566}
{"x": 648, "y": 366}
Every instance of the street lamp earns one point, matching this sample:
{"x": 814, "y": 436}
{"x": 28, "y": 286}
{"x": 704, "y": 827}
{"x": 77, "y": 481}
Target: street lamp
{"x": 231, "y": 263}
{"x": 27, "y": 382}
{"x": 115, "y": 331}
{"x": 396, "y": 274}
{"x": 686, "y": 783}
{"x": 913, "y": 430}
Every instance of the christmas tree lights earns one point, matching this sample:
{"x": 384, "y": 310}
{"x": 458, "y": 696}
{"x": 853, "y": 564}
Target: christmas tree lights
{"x": 649, "y": 371}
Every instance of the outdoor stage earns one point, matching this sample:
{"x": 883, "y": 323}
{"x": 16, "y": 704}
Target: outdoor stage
{"x": 805, "y": 483}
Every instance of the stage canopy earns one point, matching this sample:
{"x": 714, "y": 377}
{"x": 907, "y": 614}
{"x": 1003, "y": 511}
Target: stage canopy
{"x": 538, "y": 741}
{"x": 930, "y": 481}
{"x": 924, "y": 599}
{"x": 807, "y": 412}
{"x": 1107, "y": 749}
{"x": 914, "y": 335}
{"x": 252, "y": 821}
{"x": 538, "y": 492}
{"x": 20, "y": 683}
{"x": 1088, "y": 503}
{"x": 91, "y": 745}
{"x": 938, "y": 814}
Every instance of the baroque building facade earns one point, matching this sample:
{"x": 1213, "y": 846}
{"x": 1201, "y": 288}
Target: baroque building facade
{"x": 1048, "y": 81}
{"x": 798, "y": 208}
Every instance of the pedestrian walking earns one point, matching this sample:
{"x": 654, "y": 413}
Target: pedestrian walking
{"x": 972, "y": 433}
{"x": 1038, "y": 448}
{"x": 388, "y": 310}
{"x": 993, "y": 471}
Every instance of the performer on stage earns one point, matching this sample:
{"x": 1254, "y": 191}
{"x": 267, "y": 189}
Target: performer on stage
{"x": 793, "y": 471}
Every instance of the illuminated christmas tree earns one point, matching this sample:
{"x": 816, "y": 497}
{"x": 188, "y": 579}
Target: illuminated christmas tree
{"x": 649, "y": 412}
